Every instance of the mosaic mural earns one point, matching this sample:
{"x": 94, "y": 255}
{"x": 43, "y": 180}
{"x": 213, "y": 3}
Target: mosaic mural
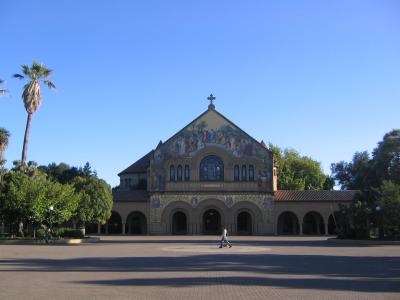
{"x": 210, "y": 130}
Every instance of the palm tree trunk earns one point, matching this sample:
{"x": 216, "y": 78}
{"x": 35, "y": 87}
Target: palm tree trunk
{"x": 26, "y": 138}
{"x": 2, "y": 150}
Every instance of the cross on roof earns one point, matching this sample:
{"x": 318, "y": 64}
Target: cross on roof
{"x": 211, "y": 98}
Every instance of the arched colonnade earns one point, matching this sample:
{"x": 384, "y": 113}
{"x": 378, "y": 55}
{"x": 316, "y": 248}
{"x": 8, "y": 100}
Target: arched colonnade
{"x": 310, "y": 223}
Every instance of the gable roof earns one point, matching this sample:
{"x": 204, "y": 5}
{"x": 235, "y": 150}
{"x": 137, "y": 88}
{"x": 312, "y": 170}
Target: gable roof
{"x": 140, "y": 166}
{"x": 285, "y": 195}
{"x": 212, "y": 109}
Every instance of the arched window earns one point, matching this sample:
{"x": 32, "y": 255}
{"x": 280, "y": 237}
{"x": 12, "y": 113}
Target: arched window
{"x": 244, "y": 173}
{"x": 251, "y": 173}
{"x": 172, "y": 173}
{"x": 236, "y": 173}
{"x": 187, "y": 173}
{"x": 211, "y": 169}
{"x": 179, "y": 173}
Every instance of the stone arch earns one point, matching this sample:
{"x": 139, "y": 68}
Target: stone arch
{"x": 169, "y": 212}
{"x": 226, "y": 157}
{"x": 313, "y": 223}
{"x": 136, "y": 223}
{"x": 179, "y": 223}
{"x": 254, "y": 212}
{"x": 244, "y": 223}
{"x": 288, "y": 223}
{"x": 114, "y": 224}
{"x": 211, "y": 150}
{"x": 211, "y": 222}
{"x": 219, "y": 207}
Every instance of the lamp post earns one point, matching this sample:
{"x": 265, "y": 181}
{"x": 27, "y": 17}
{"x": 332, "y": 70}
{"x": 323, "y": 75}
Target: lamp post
{"x": 378, "y": 220}
{"x": 51, "y": 208}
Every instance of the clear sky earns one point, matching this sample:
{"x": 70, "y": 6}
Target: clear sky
{"x": 322, "y": 77}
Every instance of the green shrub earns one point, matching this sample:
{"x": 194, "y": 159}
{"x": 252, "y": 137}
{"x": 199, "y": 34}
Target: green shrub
{"x": 61, "y": 232}
{"x": 40, "y": 233}
{"x": 57, "y": 232}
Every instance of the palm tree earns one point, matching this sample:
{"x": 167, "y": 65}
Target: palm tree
{"x": 4, "y": 135}
{"x": 36, "y": 74}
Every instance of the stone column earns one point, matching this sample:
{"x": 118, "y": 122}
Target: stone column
{"x": 326, "y": 228}
{"x": 301, "y": 228}
{"x": 98, "y": 228}
{"x": 123, "y": 228}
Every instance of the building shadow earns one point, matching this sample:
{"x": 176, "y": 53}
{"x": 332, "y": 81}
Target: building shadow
{"x": 360, "y": 285}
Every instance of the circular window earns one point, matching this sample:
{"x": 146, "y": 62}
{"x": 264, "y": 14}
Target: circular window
{"x": 211, "y": 169}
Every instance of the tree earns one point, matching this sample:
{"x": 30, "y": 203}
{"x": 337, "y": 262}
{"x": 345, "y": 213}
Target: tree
{"x": 18, "y": 194}
{"x": 296, "y": 172}
{"x": 63, "y": 199}
{"x": 364, "y": 172}
{"x": 87, "y": 171}
{"x": 36, "y": 74}
{"x": 386, "y": 158}
{"x": 4, "y": 137}
{"x": 26, "y": 197}
{"x": 96, "y": 200}
{"x": 389, "y": 203}
{"x": 63, "y": 173}
{"x": 354, "y": 175}
{"x": 354, "y": 220}
{"x": 378, "y": 180}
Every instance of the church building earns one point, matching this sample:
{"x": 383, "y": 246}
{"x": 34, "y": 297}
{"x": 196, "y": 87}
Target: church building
{"x": 212, "y": 174}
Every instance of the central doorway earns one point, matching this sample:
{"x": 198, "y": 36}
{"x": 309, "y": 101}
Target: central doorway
{"x": 212, "y": 222}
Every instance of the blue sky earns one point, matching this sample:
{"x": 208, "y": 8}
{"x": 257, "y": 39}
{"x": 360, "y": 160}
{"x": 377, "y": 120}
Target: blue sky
{"x": 320, "y": 77}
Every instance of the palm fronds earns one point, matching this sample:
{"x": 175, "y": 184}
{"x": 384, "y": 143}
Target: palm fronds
{"x": 35, "y": 74}
{"x": 4, "y": 137}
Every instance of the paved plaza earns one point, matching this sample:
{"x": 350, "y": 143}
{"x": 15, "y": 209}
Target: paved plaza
{"x": 193, "y": 267}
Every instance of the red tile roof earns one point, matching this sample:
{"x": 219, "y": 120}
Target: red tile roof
{"x": 285, "y": 195}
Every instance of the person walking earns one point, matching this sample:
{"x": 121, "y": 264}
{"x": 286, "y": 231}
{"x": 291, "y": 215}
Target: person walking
{"x": 224, "y": 238}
